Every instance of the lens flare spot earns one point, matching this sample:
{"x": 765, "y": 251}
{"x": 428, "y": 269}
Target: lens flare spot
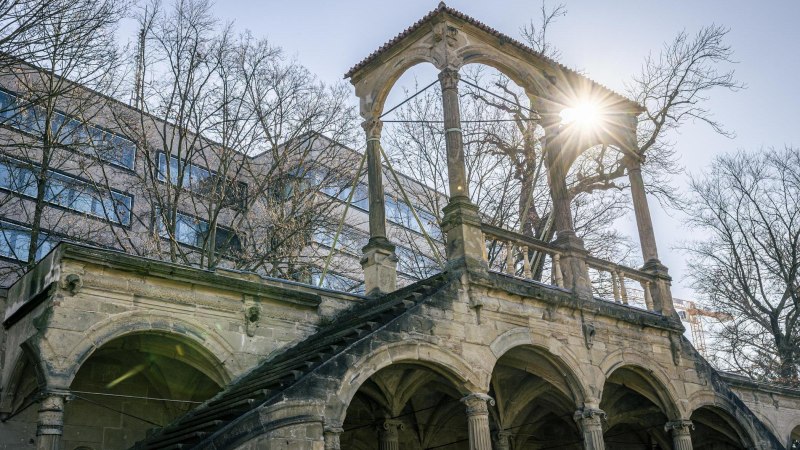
{"x": 135, "y": 370}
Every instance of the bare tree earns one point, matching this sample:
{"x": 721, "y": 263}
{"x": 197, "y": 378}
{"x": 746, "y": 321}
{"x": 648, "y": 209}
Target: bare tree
{"x": 69, "y": 50}
{"x": 237, "y": 140}
{"x": 746, "y": 207}
{"x": 674, "y": 87}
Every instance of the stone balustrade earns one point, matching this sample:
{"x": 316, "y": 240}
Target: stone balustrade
{"x": 524, "y": 257}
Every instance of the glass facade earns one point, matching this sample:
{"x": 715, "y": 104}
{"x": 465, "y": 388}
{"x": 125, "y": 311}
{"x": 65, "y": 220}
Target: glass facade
{"x": 68, "y": 131}
{"x": 15, "y": 242}
{"x": 68, "y": 192}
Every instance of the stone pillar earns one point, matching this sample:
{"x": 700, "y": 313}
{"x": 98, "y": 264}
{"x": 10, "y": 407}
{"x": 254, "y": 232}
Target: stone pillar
{"x": 644, "y": 223}
{"x": 503, "y": 440}
{"x": 660, "y": 288}
{"x": 590, "y": 422}
{"x": 461, "y": 222}
{"x": 379, "y": 260}
{"x": 50, "y": 425}
{"x": 331, "y": 436}
{"x": 681, "y": 434}
{"x": 390, "y": 434}
{"x": 574, "y": 270}
{"x": 478, "y": 421}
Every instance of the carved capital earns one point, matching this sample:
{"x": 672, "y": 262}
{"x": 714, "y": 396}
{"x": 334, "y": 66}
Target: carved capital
{"x": 51, "y": 415}
{"x": 477, "y": 404}
{"x": 588, "y": 417}
{"x": 682, "y": 426}
{"x": 331, "y": 436}
{"x": 449, "y": 78}
{"x": 390, "y": 429}
{"x": 373, "y": 128}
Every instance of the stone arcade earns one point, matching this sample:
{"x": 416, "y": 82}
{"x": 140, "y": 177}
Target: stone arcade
{"x": 470, "y": 358}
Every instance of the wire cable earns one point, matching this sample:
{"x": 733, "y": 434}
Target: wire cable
{"x": 407, "y": 99}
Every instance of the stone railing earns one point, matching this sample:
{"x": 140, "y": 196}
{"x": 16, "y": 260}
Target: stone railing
{"x": 621, "y": 284}
{"x": 532, "y": 259}
{"x": 522, "y": 256}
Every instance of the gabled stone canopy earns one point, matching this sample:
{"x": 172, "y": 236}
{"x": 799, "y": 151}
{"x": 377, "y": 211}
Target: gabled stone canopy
{"x": 450, "y": 39}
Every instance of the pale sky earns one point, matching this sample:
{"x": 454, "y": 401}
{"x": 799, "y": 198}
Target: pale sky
{"x": 606, "y": 40}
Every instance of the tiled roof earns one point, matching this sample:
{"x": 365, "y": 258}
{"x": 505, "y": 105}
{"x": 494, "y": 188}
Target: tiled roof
{"x": 444, "y": 9}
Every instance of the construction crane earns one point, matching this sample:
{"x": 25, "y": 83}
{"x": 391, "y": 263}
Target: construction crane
{"x": 689, "y": 312}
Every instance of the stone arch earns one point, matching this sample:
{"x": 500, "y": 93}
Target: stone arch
{"x": 727, "y": 410}
{"x": 447, "y": 38}
{"x": 443, "y": 362}
{"x": 794, "y": 438}
{"x": 223, "y": 363}
{"x": 553, "y": 350}
{"x": 25, "y": 362}
{"x": 662, "y": 383}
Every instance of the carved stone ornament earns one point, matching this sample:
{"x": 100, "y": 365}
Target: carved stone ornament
{"x": 477, "y": 404}
{"x": 676, "y": 346}
{"x": 588, "y": 334}
{"x": 252, "y": 315}
{"x": 679, "y": 426}
{"x": 73, "y": 283}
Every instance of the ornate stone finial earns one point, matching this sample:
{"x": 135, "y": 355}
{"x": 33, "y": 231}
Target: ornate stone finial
{"x": 441, "y": 5}
{"x": 477, "y": 404}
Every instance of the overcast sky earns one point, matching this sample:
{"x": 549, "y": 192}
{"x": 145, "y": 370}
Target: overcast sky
{"x": 606, "y": 40}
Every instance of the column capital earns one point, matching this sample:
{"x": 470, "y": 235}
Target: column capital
{"x": 477, "y": 404}
{"x": 681, "y": 426}
{"x": 449, "y": 78}
{"x": 393, "y": 425}
{"x": 589, "y": 415}
{"x": 503, "y": 439}
{"x": 331, "y": 435}
{"x": 372, "y": 127}
{"x": 51, "y": 414}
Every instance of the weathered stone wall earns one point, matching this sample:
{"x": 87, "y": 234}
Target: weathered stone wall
{"x": 223, "y": 322}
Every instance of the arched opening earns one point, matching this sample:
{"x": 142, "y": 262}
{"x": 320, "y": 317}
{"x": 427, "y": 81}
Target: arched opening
{"x": 794, "y": 439}
{"x": 638, "y": 408}
{"x": 715, "y": 429}
{"x": 134, "y": 383}
{"x": 536, "y": 400}
{"x": 408, "y": 404}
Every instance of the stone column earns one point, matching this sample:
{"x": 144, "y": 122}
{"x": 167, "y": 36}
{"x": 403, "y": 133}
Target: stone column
{"x": 379, "y": 260}
{"x": 574, "y": 270}
{"x": 478, "y": 421}
{"x": 681, "y": 434}
{"x": 331, "y": 436}
{"x": 590, "y": 422}
{"x": 50, "y": 425}
{"x": 660, "y": 288}
{"x": 503, "y": 440}
{"x": 644, "y": 223}
{"x": 390, "y": 434}
{"x": 461, "y": 222}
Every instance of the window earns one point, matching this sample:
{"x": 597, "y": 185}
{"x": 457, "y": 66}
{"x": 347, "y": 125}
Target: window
{"x": 350, "y": 239}
{"x": 193, "y": 231}
{"x": 202, "y": 181}
{"x": 400, "y": 213}
{"x": 69, "y": 192}
{"x": 15, "y": 242}
{"x": 336, "y": 282}
{"x": 68, "y": 131}
{"x": 415, "y": 265}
